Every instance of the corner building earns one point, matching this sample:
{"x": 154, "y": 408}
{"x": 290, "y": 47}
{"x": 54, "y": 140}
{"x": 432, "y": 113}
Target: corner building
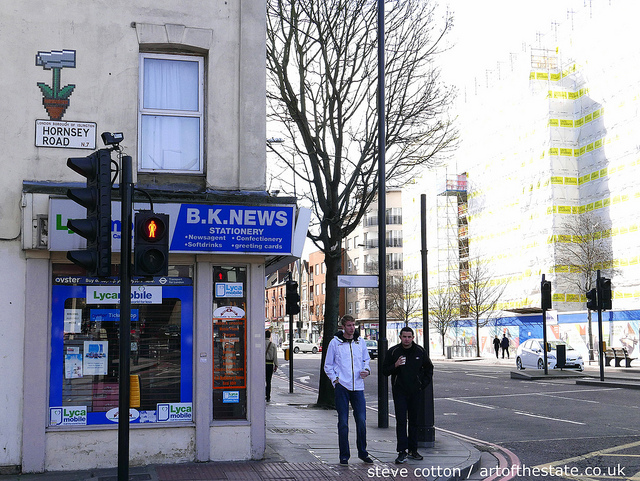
{"x": 185, "y": 84}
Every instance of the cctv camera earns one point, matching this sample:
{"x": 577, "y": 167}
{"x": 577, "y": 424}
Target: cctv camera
{"x": 112, "y": 139}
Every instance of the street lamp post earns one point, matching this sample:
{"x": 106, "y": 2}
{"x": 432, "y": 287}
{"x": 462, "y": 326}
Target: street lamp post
{"x": 383, "y": 386}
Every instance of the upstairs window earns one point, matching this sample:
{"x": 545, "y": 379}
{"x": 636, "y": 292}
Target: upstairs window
{"x": 171, "y": 114}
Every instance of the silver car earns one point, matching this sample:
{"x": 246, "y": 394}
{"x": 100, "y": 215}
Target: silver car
{"x": 531, "y": 355}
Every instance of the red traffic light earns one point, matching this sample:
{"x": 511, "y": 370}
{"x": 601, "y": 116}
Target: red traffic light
{"x": 152, "y": 229}
{"x": 219, "y": 275}
{"x": 151, "y": 244}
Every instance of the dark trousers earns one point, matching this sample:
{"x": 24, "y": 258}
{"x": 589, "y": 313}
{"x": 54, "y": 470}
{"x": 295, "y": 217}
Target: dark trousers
{"x": 269, "y": 376}
{"x": 505, "y": 349}
{"x": 406, "y": 408}
{"x": 497, "y": 351}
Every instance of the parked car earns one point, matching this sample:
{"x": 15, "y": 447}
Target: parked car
{"x": 530, "y": 354}
{"x": 372, "y": 347}
{"x": 302, "y": 345}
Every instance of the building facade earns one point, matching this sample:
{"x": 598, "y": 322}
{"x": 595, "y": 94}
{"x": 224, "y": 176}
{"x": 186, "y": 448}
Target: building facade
{"x": 361, "y": 258}
{"x": 182, "y": 82}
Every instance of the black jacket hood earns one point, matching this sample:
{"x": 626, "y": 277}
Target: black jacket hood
{"x": 340, "y": 335}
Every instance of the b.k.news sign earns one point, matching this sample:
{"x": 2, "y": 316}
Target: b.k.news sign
{"x": 193, "y": 228}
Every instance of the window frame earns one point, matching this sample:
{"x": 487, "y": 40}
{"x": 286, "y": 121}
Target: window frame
{"x": 172, "y": 113}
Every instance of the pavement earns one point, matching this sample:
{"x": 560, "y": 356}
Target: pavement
{"x": 302, "y": 443}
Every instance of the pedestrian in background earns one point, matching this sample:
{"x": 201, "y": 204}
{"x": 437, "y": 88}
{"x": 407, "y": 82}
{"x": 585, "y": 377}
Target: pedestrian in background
{"x": 411, "y": 371}
{"x": 347, "y": 365}
{"x": 271, "y": 362}
{"x": 496, "y": 345}
{"x": 504, "y": 344}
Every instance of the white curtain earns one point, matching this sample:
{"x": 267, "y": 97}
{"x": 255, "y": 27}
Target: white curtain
{"x": 171, "y": 141}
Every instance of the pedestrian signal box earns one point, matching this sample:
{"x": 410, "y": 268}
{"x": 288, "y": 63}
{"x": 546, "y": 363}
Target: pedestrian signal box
{"x": 151, "y": 244}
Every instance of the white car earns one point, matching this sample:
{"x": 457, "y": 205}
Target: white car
{"x": 530, "y": 354}
{"x": 302, "y": 345}
{"x": 372, "y": 347}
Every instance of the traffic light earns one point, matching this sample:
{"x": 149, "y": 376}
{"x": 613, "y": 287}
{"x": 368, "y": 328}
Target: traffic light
{"x": 96, "y": 198}
{"x": 545, "y": 290}
{"x": 293, "y": 298}
{"x": 151, "y": 244}
{"x": 219, "y": 274}
{"x": 592, "y": 300}
{"x": 604, "y": 288}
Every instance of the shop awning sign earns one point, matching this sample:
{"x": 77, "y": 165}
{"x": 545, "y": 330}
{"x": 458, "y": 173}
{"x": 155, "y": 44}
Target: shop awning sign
{"x": 233, "y": 228}
{"x": 194, "y": 228}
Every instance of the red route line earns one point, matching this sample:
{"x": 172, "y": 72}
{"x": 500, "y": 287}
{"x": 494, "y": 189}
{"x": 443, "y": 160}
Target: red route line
{"x": 508, "y": 461}
{"x": 501, "y": 462}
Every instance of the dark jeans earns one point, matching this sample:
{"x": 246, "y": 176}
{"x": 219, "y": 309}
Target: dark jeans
{"x": 497, "y": 351}
{"x": 269, "y": 376}
{"x": 406, "y": 408}
{"x": 505, "y": 349}
{"x": 356, "y": 398}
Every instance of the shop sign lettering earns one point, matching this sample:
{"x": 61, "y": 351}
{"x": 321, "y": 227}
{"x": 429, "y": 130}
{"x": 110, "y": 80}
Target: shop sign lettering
{"x": 263, "y": 230}
{"x": 111, "y": 295}
{"x": 168, "y": 412}
{"x": 229, "y": 289}
{"x": 68, "y": 415}
{"x": 231, "y": 396}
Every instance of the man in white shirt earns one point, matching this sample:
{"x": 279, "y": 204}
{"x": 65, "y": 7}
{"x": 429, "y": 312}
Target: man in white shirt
{"x": 347, "y": 365}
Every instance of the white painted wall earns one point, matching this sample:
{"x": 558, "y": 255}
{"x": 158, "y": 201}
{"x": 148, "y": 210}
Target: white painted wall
{"x": 12, "y": 288}
{"x": 108, "y": 36}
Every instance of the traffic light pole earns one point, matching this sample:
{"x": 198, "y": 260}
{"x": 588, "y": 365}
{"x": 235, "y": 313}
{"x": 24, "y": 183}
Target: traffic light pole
{"x": 544, "y": 334}
{"x": 426, "y": 416}
{"x": 290, "y": 350}
{"x": 126, "y": 193}
{"x": 600, "y": 351}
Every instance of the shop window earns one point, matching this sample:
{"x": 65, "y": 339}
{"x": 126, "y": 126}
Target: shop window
{"x": 85, "y": 319}
{"x": 229, "y": 343}
{"x": 171, "y": 113}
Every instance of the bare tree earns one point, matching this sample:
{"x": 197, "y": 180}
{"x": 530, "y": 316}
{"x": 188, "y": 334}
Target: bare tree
{"x": 444, "y": 309}
{"x": 403, "y": 297}
{"x": 322, "y": 87}
{"x": 484, "y": 294}
{"x": 583, "y": 248}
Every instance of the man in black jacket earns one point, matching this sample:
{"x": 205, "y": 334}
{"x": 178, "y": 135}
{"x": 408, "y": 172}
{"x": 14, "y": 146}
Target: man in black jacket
{"x": 411, "y": 371}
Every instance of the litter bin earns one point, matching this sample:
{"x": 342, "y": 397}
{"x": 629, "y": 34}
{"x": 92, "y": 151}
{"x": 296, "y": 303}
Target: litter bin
{"x": 449, "y": 354}
{"x": 286, "y": 354}
{"x": 561, "y": 355}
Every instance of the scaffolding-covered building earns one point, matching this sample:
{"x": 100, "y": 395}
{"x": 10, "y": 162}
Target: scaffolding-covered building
{"x": 549, "y": 142}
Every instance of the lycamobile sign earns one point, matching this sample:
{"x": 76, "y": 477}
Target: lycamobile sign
{"x": 173, "y": 412}
{"x": 68, "y": 415}
{"x": 111, "y": 295}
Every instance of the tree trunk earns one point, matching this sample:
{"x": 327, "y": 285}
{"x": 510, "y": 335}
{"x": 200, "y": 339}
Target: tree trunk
{"x": 443, "y": 345}
{"x": 478, "y": 337}
{"x": 326, "y": 396}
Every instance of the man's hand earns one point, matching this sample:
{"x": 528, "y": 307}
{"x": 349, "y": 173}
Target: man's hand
{"x": 364, "y": 373}
{"x": 401, "y": 361}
